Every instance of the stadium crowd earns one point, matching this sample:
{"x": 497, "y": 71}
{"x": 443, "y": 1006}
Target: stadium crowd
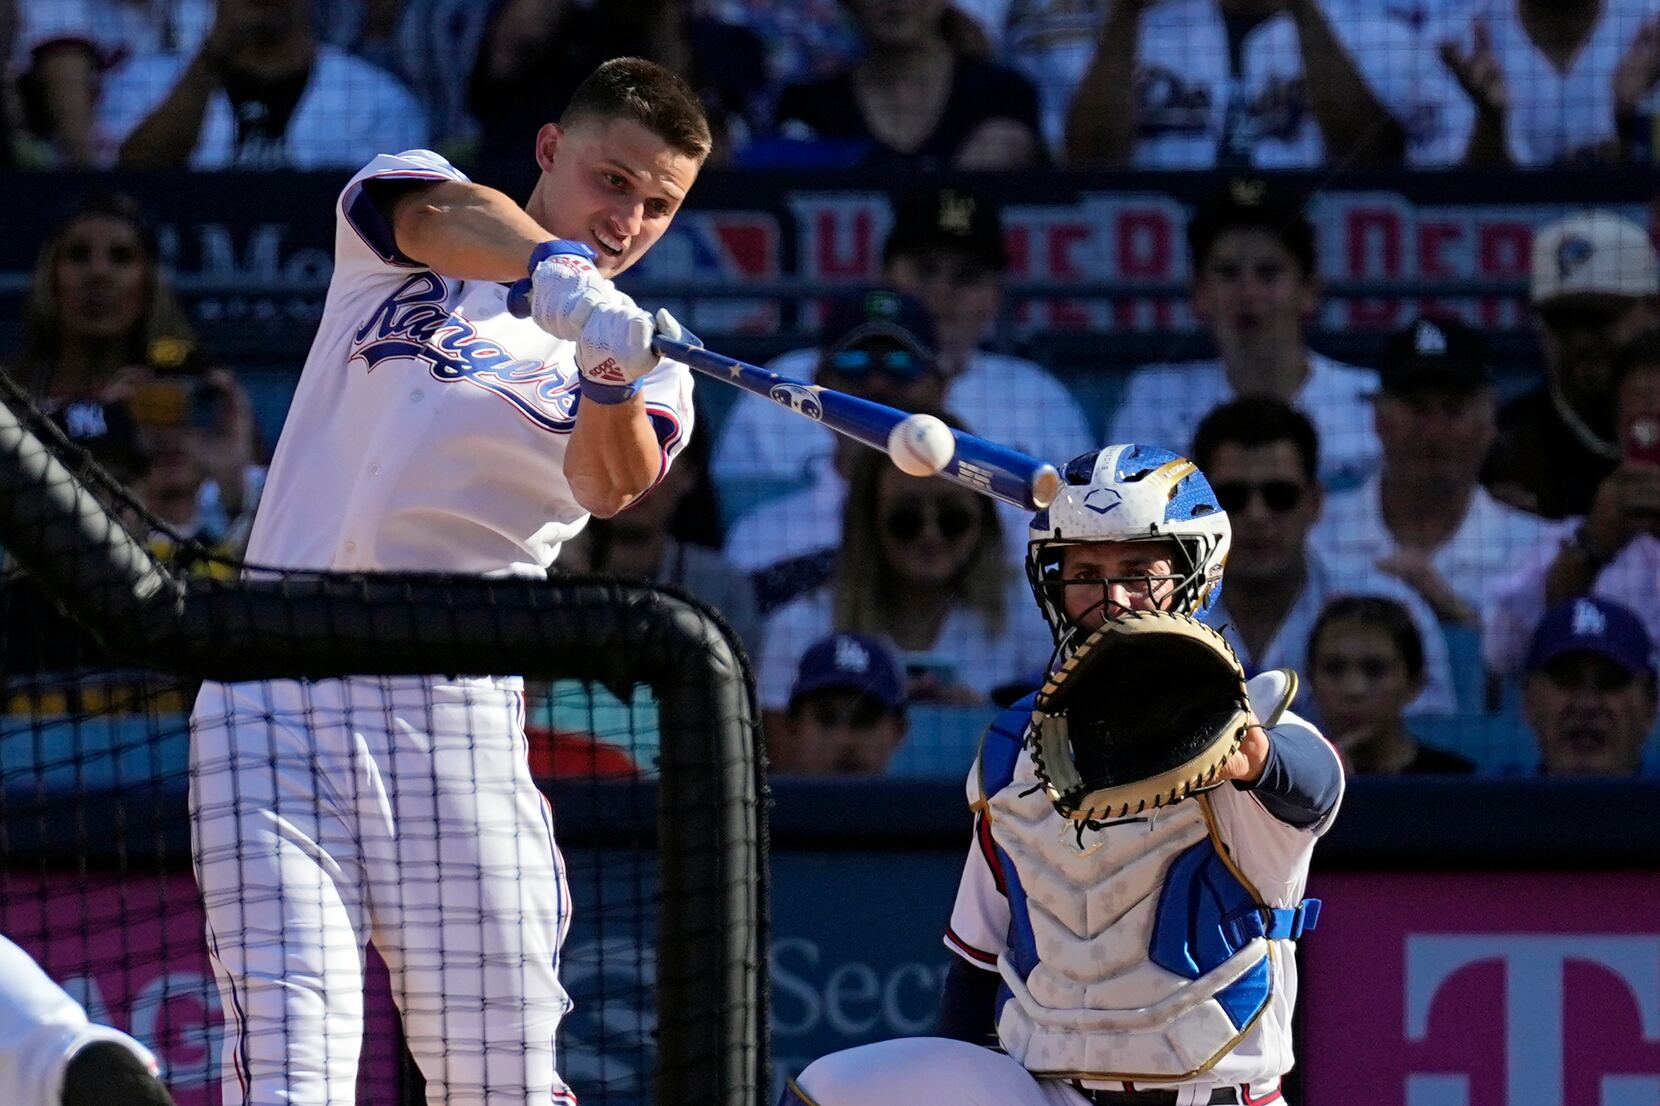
{"x": 1439, "y": 549}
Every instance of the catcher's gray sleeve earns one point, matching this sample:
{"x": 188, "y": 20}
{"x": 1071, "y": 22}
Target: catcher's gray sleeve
{"x": 1302, "y": 779}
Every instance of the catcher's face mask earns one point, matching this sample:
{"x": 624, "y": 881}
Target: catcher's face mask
{"x": 1145, "y": 712}
{"x": 1097, "y": 581}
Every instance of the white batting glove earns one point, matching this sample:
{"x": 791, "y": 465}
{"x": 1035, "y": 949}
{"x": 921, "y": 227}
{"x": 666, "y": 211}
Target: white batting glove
{"x": 615, "y": 351}
{"x": 565, "y": 288}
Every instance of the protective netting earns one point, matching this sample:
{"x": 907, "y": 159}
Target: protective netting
{"x": 330, "y": 852}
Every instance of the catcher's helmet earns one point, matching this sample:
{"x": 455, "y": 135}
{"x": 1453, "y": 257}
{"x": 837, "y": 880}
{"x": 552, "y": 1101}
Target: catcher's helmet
{"x": 1127, "y": 493}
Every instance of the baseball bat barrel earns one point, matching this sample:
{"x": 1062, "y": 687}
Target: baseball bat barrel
{"x": 984, "y": 466}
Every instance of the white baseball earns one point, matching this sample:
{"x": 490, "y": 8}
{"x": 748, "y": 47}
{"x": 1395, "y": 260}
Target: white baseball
{"x": 921, "y": 445}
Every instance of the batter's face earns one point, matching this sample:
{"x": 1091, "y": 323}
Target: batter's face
{"x": 1102, "y": 580}
{"x": 1590, "y": 715}
{"x": 843, "y": 733}
{"x": 1271, "y": 504}
{"x": 610, "y": 184}
{"x": 1254, "y": 296}
{"x": 1360, "y": 681}
{"x": 101, "y": 278}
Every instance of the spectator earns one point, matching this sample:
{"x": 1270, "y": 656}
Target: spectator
{"x": 536, "y": 52}
{"x": 1365, "y": 664}
{"x": 1590, "y": 696}
{"x": 1255, "y": 287}
{"x": 847, "y": 710}
{"x": 642, "y": 542}
{"x": 1425, "y": 518}
{"x": 922, "y": 565}
{"x": 883, "y": 351}
{"x": 1554, "y": 81}
{"x": 1594, "y": 284}
{"x": 1274, "y": 84}
{"x": 1261, "y": 457}
{"x": 260, "y": 92}
{"x": 67, "y": 49}
{"x": 945, "y": 248}
{"x": 915, "y": 99}
{"x": 1614, "y": 551}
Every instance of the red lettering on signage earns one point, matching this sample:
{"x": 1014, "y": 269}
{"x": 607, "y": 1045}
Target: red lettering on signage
{"x": 1432, "y": 242}
{"x": 1059, "y": 241}
{"x": 1373, "y": 237}
{"x": 1144, "y": 252}
{"x": 845, "y": 247}
{"x": 751, "y": 244}
{"x": 1017, "y": 243}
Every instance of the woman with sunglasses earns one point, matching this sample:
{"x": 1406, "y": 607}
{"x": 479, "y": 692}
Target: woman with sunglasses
{"x": 922, "y": 565}
{"x": 1365, "y": 664}
{"x": 1096, "y": 960}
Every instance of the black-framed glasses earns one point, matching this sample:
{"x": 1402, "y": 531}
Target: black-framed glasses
{"x": 1572, "y": 318}
{"x": 1278, "y": 496}
{"x": 899, "y": 363}
{"x": 906, "y": 520}
{"x": 1574, "y": 674}
{"x": 832, "y": 711}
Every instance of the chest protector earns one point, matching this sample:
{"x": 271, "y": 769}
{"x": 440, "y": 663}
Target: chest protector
{"x": 1136, "y": 952}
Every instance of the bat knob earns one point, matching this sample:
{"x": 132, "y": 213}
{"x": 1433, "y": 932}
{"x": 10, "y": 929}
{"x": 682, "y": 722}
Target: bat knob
{"x": 1046, "y": 485}
{"x": 518, "y": 299}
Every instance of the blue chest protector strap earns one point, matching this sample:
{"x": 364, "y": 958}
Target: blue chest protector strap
{"x": 1286, "y": 923}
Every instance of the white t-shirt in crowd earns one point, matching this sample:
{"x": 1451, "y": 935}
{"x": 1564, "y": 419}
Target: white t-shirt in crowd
{"x": 429, "y": 428}
{"x": 1554, "y": 113}
{"x": 348, "y": 107}
{"x": 967, "y": 651}
{"x": 1517, "y": 603}
{"x": 1186, "y": 88}
{"x": 1007, "y": 400}
{"x": 119, "y": 30}
{"x": 1489, "y": 543}
{"x": 1163, "y": 405}
{"x": 1289, "y": 646}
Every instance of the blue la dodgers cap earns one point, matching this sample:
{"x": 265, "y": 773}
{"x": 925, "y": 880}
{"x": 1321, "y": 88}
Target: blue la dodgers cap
{"x": 850, "y": 662}
{"x": 1591, "y": 625}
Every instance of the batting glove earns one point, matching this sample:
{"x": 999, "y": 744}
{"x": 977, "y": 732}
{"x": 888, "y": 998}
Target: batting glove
{"x": 565, "y": 288}
{"x": 615, "y": 351}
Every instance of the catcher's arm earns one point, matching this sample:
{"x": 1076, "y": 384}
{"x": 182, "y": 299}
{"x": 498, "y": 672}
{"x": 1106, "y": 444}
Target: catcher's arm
{"x": 1299, "y": 779}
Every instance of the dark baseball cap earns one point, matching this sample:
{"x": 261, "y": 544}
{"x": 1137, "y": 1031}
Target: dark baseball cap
{"x": 949, "y": 218}
{"x": 108, "y": 432}
{"x": 1592, "y": 625}
{"x": 850, "y": 662}
{"x": 878, "y": 324}
{"x": 1252, "y": 203}
{"x": 1435, "y": 353}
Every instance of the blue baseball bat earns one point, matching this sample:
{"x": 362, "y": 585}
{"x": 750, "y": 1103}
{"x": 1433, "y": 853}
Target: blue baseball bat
{"x": 983, "y": 466}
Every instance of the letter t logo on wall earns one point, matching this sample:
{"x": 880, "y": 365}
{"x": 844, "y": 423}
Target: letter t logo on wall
{"x": 1534, "y": 965}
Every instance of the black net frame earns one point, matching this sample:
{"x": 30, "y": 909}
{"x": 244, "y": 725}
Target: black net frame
{"x": 710, "y": 820}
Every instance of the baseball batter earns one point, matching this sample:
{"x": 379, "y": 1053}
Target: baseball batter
{"x": 433, "y": 431}
{"x": 1143, "y": 961}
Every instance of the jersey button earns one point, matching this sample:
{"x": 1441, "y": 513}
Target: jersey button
{"x": 351, "y": 547}
{"x": 416, "y": 396}
{"x": 374, "y": 470}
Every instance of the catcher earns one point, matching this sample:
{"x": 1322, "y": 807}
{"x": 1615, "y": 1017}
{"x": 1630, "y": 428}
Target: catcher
{"x": 1143, "y": 828}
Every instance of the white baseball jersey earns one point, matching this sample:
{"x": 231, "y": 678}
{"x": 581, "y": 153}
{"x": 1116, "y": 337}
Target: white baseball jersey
{"x": 41, "y": 1030}
{"x": 1115, "y": 948}
{"x": 1553, "y": 112}
{"x": 428, "y": 432}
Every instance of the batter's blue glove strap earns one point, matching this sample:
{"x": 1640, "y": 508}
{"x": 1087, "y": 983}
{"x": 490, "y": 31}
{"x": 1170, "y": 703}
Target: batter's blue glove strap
{"x": 1286, "y": 924}
{"x": 608, "y": 394}
{"x": 518, "y": 296}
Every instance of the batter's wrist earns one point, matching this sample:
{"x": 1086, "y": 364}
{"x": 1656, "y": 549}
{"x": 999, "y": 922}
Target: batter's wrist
{"x": 608, "y": 394}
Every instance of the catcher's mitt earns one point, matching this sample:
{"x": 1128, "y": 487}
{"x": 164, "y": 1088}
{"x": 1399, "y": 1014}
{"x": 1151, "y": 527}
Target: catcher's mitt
{"x": 1142, "y": 715}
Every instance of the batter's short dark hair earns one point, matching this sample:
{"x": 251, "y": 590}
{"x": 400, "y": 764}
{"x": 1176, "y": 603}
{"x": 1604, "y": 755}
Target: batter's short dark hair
{"x": 1252, "y": 422}
{"x": 1379, "y": 612}
{"x": 648, "y": 94}
{"x": 1252, "y": 203}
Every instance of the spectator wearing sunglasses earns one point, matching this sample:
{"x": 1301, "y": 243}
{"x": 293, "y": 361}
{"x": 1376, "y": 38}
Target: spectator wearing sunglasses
{"x": 922, "y": 565}
{"x": 1262, "y": 457}
{"x": 847, "y": 710}
{"x": 1594, "y": 286}
{"x": 946, "y": 249}
{"x": 1590, "y": 692}
{"x": 881, "y": 349}
{"x": 1365, "y": 664}
{"x": 1255, "y": 286}
{"x": 1424, "y": 518}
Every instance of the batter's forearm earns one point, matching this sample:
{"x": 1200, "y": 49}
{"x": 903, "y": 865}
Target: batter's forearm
{"x": 467, "y": 231}
{"x": 614, "y": 456}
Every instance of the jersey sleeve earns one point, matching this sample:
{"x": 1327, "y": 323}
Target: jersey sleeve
{"x": 979, "y": 926}
{"x": 363, "y": 242}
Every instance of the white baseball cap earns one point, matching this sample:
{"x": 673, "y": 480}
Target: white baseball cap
{"x": 1594, "y": 253}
